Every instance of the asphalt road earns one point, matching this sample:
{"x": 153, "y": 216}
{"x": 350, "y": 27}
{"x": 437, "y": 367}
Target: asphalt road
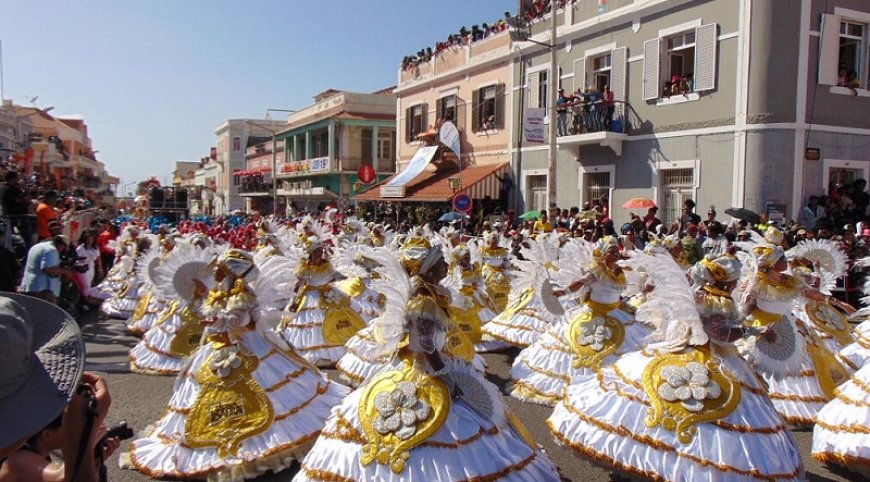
{"x": 139, "y": 399}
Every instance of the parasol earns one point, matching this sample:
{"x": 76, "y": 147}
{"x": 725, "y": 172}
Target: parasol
{"x": 530, "y": 215}
{"x": 744, "y": 214}
{"x": 451, "y": 217}
{"x": 638, "y": 202}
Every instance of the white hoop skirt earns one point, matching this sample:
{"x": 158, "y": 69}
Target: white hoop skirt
{"x": 467, "y": 446}
{"x": 541, "y": 372}
{"x": 319, "y": 332}
{"x": 841, "y": 435}
{"x": 248, "y": 438}
{"x": 523, "y": 321}
{"x": 149, "y": 309}
{"x": 856, "y": 355}
{"x": 603, "y": 417}
{"x": 164, "y": 347}
{"x": 123, "y": 304}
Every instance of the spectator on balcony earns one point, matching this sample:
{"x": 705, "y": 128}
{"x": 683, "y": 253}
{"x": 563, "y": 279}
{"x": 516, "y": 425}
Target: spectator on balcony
{"x": 45, "y": 213}
{"x": 562, "y": 113}
{"x": 676, "y": 83}
{"x": 595, "y": 102}
{"x": 687, "y": 84}
{"x": 609, "y": 106}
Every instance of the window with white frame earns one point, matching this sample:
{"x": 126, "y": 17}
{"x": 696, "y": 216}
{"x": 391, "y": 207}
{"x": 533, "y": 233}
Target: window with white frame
{"x": 601, "y": 71}
{"x": 415, "y": 119}
{"x": 677, "y": 185}
{"x": 595, "y": 185}
{"x": 447, "y": 108}
{"x": 852, "y": 59}
{"x": 680, "y": 62}
{"x": 844, "y": 58}
{"x": 538, "y": 84}
{"x": 536, "y": 192}
{"x": 385, "y": 145}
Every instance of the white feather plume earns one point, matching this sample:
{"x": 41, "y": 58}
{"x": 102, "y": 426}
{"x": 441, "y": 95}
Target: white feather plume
{"x": 671, "y": 306}
{"x": 574, "y": 257}
{"x": 389, "y": 328}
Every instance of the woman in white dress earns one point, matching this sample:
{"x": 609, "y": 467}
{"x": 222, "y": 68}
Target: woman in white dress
{"x": 800, "y": 372}
{"x": 245, "y": 402}
{"x": 88, "y": 254}
{"x": 588, "y": 337}
{"x": 685, "y": 408}
{"x": 425, "y": 416}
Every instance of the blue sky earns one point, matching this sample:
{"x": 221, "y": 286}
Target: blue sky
{"x": 153, "y": 78}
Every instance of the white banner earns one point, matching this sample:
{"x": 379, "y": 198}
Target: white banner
{"x": 449, "y": 136}
{"x": 418, "y": 163}
{"x": 533, "y": 125}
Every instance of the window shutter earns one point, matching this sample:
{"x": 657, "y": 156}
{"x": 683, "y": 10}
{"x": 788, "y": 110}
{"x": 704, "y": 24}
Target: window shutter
{"x": 580, "y": 74}
{"x": 476, "y": 106}
{"x": 829, "y": 57}
{"x": 408, "y": 125}
{"x": 424, "y": 125}
{"x": 534, "y": 83}
{"x": 706, "y": 41}
{"x": 439, "y": 108}
{"x": 499, "y": 106}
{"x": 618, "y": 59}
{"x": 651, "y": 76}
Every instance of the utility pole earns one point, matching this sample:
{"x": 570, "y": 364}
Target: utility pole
{"x": 553, "y": 93}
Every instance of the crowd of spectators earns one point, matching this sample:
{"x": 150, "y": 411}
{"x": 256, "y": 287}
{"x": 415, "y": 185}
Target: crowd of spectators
{"x": 465, "y": 36}
{"x": 586, "y": 110}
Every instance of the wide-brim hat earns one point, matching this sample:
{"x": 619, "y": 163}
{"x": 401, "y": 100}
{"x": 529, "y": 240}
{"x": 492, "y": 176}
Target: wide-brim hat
{"x": 43, "y": 356}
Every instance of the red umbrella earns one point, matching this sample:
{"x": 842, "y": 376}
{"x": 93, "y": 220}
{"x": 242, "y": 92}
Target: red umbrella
{"x": 638, "y": 202}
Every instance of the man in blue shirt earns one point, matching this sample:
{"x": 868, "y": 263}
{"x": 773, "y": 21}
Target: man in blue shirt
{"x": 42, "y": 270}
{"x": 562, "y": 111}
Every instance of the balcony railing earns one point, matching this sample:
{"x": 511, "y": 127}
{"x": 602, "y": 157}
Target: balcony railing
{"x": 585, "y": 118}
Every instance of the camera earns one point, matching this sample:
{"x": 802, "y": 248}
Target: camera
{"x": 122, "y": 431}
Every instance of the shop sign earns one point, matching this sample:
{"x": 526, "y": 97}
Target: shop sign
{"x": 307, "y": 166}
{"x": 392, "y": 191}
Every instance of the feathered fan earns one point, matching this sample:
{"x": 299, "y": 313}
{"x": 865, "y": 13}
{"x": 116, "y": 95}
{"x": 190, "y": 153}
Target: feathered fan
{"x": 827, "y": 255}
{"x": 176, "y": 276}
{"x": 389, "y": 328}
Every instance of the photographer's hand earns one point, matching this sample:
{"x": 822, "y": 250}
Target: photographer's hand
{"x": 74, "y": 426}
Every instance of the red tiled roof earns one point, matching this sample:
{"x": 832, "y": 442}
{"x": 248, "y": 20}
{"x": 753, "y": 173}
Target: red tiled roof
{"x": 435, "y": 186}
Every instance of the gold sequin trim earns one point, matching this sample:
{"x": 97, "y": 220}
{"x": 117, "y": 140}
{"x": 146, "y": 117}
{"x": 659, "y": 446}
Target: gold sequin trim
{"x": 849, "y": 401}
{"x": 851, "y": 428}
{"x": 797, "y": 398}
{"x": 321, "y": 389}
{"x": 327, "y": 476}
{"x": 841, "y": 459}
{"x": 544, "y": 371}
{"x": 286, "y": 380}
{"x": 748, "y": 428}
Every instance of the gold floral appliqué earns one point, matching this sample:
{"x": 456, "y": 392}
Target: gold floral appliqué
{"x": 399, "y": 410}
{"x": 593, "y": 335}
{"x": 686, "y": 389}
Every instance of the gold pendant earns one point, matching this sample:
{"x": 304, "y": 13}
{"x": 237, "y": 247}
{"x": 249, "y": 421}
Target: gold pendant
{"x": 827, "y": 319}
{"x": 188, "y": 336}
{"x": 829, "y": 372}
{"x": 340, "y": 323}
{"x": 228, "y": 410}
{"x": 686, "y": 389}
{"x": 141, "y": 307}
{"x": 593, "y": 335}
{"x": 399, "y": 410}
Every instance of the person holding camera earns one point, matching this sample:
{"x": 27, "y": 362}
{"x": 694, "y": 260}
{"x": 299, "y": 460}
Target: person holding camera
{"x": 42, "y": 270}
{"x": 46, "y": 398}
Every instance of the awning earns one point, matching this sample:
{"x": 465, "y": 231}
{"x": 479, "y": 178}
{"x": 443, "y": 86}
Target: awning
{"x": 476, "y": 181}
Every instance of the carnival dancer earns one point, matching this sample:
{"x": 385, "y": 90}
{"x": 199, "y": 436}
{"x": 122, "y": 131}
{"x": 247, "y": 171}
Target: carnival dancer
{"x": 857, "y": 354}
{"x": 686, "y": 407}
{"x": 533, "y": 307}
{"x": 151, "y": 304}
{"x": 245, "y": 402}
{"x": 125, "y": 249}
{"x": 320, "y": 320}
{"x": 495, "y": 270}
{"x": 800, "y": 372}
{"x": 426, "y": 415}
{"x": 365, "y": 355}
{"x": 123, "y": 303}
{"x": 587, "y": 338}
{"x": 177, "y": 333}
{"x": 469, "y": 309}
{"x": 819, "y": 263}
{"x": 841, "y": 434}
{"x": 358, "y": 271}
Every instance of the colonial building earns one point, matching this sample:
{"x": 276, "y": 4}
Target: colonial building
{"x": 456, "y": 98}
{"x": 233, "y": 138}
{"x": 326, "y": 143}
{"x": 727, "y": 102}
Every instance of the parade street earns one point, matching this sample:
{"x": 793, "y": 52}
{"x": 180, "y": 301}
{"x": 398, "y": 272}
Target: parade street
{"x": 140, "y": 399}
